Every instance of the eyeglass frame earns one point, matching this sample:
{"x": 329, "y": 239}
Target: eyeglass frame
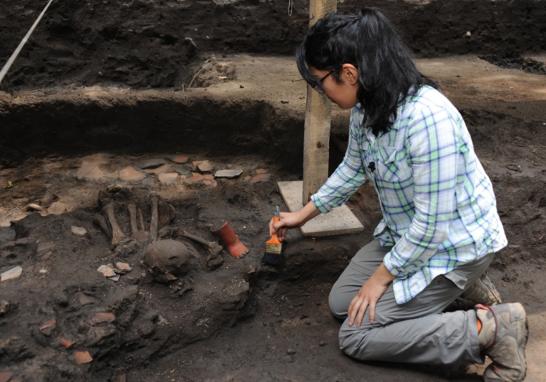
{"x": 317, "y": 84}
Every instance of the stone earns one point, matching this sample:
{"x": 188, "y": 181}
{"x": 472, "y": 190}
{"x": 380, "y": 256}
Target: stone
{"x": 168, "y": 178}
{"x": 5, "y": 376}
{"x": 65, "y": 342}
{"x": 260, "y": 178}
{"x": 42, "y": 271}
{"x": 179, "y": 158}
{"x": 160, "y": 170}
{"x": 48, "y": 327}
{"x": 151, "y": 163}
{"x": 5, "y": 307}
{"x": 58, "y": 208}
{"x": 78, "y": 231}
{"x": 91, "y": 168}
{"x": 203, "y": 166}
{"x": 123, "y": 267}
{"x": 183, "y": 170}
{"x": 228, "y": 173}
{"x": 102, "y": 317}
{"x": 131, "y": 174}
{"x": 205, "y": 179}
{"x": 290, "y": 351}
{"x": 82, "y": 357}
{"x": 84, "y": 299}
{"x": 12, "y": 274}
{"x": 106, "y": 270}
{"x": 261, "y": 171}
{"x": 45, "y": 247}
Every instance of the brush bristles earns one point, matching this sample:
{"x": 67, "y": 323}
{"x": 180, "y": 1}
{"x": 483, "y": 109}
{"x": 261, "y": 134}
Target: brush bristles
{"x": 275, "y": 249}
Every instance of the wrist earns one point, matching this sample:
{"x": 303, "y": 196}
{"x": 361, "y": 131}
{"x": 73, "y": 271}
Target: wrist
{"x": 383, "y": 275}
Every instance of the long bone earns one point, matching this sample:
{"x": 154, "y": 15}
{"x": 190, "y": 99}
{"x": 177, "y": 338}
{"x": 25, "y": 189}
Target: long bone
{"x": 117, "y": 233}
{"x": 213, "y": 247}
{"x": 137, "y": 233}
{"x": 154, "y": 219}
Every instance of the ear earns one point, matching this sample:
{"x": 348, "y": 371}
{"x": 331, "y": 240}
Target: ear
{"x": 349, "y": 74}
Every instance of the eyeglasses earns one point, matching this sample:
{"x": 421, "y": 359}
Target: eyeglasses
{"x": 317, "y": 84}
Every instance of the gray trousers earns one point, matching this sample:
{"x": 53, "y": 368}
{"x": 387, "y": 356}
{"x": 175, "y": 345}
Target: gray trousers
{"x": 417, "y": 331}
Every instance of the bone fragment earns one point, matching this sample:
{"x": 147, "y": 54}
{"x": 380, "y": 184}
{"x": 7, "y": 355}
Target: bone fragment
{"x": 131, "y": 207}
{"x": 154, "y": 219}
{"x": 141, "y": 220}
{"x": 117, "y": 233}
{"x": 213, "y": 247}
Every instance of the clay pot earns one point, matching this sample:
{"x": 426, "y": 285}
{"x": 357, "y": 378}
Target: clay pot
{"x": 231, "y": 241}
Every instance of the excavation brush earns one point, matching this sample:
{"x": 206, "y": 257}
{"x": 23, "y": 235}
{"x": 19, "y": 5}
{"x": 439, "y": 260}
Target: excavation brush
{"x": 273, "y": 247}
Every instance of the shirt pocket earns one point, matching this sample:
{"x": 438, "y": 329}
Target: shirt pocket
{"x": 392, "y": 166}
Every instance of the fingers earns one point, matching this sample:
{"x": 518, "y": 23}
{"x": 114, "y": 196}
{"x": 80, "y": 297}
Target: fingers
{"x": 361, "y": 312}
{"x": 371, "y": 312}
{"x": 281, "y": 233}
{"x": 354, "y": 308}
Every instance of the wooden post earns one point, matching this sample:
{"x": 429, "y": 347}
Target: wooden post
{"x": 316, "y": 143}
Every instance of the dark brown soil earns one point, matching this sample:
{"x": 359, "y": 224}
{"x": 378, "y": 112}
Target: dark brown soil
{"x": 145, "y": 44}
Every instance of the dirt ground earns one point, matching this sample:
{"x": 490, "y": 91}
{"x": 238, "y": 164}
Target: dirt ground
{"x": 158, "y": 43}
{"x": 224, "y": 319}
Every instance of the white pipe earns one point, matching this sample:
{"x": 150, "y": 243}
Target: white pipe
{"x": 16, "y": 52}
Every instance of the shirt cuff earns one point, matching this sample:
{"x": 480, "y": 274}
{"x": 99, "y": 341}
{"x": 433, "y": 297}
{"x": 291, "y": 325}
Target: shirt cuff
{"x": 393, "y": 270}
{"x": 323, "y": 208}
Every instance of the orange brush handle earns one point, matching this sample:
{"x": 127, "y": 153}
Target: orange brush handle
{"x": 274, "y": 238}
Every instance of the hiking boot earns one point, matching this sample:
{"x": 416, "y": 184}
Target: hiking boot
{"x": 482, "y": 291}
{"x": 503, "y": 338}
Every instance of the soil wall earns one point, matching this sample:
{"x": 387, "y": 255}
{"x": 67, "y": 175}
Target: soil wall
{"x": 153, "y": 43}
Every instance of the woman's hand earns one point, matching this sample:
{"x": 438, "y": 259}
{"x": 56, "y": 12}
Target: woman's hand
{"x": 287, "y": 220}
{"x": 368, "y": 296}
{"x": 292, "y": 220}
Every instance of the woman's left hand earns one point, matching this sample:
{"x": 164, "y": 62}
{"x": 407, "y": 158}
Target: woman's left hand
{"x": 368, "y": 296}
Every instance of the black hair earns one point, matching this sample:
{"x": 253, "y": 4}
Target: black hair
{"x": 387, "y": 73}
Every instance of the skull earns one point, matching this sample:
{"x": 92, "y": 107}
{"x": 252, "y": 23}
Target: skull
{"x": 168, "y": 260}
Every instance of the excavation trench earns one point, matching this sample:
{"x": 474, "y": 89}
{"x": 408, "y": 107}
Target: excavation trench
{"x": 62, "y": 308}
{"x": 221, "y": 318}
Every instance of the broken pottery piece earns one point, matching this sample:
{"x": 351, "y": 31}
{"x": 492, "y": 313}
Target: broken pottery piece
{"x": 65, "y": 342}
{"x": 82, "y": 357}
{"x": 203, "y": 166}
{"x": 78, "y": 231}
{"x": 168, "y": 178}
{"x": 48, "y": 327}
{"x": 228, "y": 173}
{"x": 259, "y": 178}
{"x": 179, "y": 158}
{"x": 106, "y": 270}
{"x": 102, "y": 317}
{"x": 151, "y": 163}
{"x": 231, "y": 241}
{"x": 122, "y": 268}
{"x": 11, "y": 274}
{"x": 131, "y": 174}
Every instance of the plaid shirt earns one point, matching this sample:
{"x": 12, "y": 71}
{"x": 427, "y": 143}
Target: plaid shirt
{"x": 439, "y": 209}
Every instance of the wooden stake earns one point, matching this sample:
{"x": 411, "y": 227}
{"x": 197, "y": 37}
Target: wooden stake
{"x": 316, "y": 144}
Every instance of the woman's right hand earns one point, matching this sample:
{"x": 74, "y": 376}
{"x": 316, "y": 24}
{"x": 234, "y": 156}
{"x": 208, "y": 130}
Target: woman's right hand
{"x": 287, "y": 220}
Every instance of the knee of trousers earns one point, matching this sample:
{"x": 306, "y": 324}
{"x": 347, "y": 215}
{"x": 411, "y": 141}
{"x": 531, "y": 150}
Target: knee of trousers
{"x": 338, "y": 307}
{"x": 354, "y": 342}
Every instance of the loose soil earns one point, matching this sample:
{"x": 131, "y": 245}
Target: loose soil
{"x": 152, "y": 43}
